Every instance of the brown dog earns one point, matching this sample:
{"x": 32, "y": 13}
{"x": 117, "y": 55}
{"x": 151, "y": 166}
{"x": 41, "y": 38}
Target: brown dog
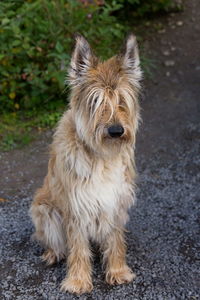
{"x": 90, "y": 182}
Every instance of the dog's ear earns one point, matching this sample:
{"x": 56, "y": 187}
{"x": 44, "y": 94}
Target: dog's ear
{"x": 130, "y": 56}
{"x": 81, "y": 61}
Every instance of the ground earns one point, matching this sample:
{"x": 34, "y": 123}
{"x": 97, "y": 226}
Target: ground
{"x": 164, "y": 228}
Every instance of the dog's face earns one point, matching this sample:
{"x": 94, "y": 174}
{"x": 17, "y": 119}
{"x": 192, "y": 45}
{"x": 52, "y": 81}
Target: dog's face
{"x": 104, "y": 96}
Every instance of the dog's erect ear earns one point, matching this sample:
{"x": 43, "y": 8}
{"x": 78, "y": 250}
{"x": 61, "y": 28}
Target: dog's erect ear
{"x": 81, "y": 61}
{"x": 130, "y": 56}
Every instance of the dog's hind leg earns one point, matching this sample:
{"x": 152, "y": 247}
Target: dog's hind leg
{"x": 49, "y": 228}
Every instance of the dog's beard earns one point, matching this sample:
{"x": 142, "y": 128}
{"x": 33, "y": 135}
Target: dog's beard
{"x": 107, "y": 146}
{"x": 95, "y": 136}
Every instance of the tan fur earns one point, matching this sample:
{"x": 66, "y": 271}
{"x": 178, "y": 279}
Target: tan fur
{"x": 89, "y": 186}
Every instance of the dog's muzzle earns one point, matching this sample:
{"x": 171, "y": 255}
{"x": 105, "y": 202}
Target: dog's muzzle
{"x": 115, "y": 131}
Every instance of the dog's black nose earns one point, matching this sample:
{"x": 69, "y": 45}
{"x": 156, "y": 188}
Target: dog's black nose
{"x": 115, "y": 131}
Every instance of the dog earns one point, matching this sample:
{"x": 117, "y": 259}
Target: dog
{"x": 90, "y": 184}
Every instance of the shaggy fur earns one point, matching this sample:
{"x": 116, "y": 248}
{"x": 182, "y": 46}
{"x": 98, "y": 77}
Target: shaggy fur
{"x": 89, "y": 186}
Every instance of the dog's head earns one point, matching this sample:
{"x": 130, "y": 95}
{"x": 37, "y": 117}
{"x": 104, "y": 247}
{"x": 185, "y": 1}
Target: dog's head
{"x": 104, "y": 98}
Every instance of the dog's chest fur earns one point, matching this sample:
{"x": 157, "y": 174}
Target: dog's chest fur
{"x": 97, "y": 198}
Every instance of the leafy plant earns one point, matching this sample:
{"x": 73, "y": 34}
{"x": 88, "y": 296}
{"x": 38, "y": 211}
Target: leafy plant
{"x": 36, "y": 39}
{"x": 35, "y": 45}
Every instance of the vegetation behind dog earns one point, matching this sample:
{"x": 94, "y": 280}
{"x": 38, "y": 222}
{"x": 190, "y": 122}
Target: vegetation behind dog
{"x": 35, "y": 46}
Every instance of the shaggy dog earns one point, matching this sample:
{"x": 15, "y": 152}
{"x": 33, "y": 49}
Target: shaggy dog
{"x": 89, "y": 186}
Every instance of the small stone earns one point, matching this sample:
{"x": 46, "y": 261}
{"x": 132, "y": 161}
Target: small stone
{"x": 169, "y": 63}
{"x": 161, "y": 31}
{"x": 5, "y": 284}
{"x": 9, "y": 277}
{"x": 179, "y": 23}
{"x": 44, "y": 295}
{"x": 173, "y": 48}
{"x": 168, "y": 74}
{"x": 166, "y": 53}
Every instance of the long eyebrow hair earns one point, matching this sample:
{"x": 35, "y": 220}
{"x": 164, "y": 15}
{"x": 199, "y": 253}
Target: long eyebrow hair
{"x": 98, "y": 99}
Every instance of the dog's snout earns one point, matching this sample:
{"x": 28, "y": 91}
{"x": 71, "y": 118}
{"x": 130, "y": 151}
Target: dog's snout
{"x": 115, "y": 131}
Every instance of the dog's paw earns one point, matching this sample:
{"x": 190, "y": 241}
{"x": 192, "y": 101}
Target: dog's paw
{"x": 76, "y": 285}
{"x": 49, "y": 257}
{"x": 120, "y": 276}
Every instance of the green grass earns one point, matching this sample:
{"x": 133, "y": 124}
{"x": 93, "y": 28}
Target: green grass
{"x": 14, "y": 132}
{"x": 15, "y": 140}
{"x": 19, "y": 129}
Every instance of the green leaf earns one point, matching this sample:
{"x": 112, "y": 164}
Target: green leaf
{"x": 59, "y": 47}
{"x": 5, "y": 21}
{"x": 16, "y": 43}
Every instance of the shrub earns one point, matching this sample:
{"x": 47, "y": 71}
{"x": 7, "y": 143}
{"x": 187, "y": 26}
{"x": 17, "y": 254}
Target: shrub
{"x": 35, "y": 44}
{"x": 36, "y": 40}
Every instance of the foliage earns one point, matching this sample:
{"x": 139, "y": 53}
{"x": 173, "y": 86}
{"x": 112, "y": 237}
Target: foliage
{"x": 35, "y": 43}
{"x": 141, "y": 8}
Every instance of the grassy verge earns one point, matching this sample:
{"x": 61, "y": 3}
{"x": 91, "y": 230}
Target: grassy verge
{"x": 18, "y": 129}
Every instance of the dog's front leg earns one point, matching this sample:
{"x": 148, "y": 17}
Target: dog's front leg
{"x": 78, "y": 279}
{"x": 117, "y": 271}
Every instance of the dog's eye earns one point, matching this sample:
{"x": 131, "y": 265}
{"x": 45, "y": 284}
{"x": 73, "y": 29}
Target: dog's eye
{"x": 95, "y": 101}
{"x": 93, "y": 104}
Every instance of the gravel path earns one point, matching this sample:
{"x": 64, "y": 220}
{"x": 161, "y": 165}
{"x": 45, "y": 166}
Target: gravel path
{"x": 164, "y": 228}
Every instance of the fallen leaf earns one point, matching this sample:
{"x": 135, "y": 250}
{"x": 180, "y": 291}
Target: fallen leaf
{"x": 3, "y": 200}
